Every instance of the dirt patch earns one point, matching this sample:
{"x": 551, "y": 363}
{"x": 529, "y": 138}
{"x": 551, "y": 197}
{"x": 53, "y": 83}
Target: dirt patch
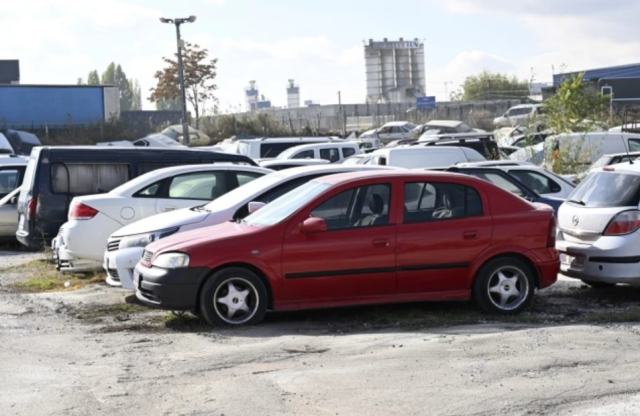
{"x": 41, "y": 276}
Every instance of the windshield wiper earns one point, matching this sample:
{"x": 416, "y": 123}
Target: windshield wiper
{"x": 573, "y": 201}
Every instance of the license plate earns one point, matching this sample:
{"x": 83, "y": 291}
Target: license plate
{"x": 573, "y": 261}
{"x": 21, "y": 222}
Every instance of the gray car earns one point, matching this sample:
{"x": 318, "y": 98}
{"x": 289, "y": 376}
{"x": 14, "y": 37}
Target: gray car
{"x": 9, "y": 215}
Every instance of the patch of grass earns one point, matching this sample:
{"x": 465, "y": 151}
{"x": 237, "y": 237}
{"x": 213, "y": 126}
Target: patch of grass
{"x": 41, "y": 276}
{"x": 184, "y": 322}
{"x": 629, "y": 315}
{"x": 101, "y": 311}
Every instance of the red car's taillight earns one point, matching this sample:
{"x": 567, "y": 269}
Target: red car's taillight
{"x": 32, "y": 206}
{"x": 624, "y": 223}
{"x": 551, "y": 238}
{"x": 80, "y": 211}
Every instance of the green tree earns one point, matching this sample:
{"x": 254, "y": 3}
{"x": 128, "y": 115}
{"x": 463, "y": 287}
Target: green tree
{"x": 494, "y": 86}
{"x": 136, "y": 94}
{"x": 126, "y": 95}
{"x": 109, "y": 75}
{"x": 168, "y": 105}
{"x": 93, "y": 78}
{"x": 80, "y": 81}
{"x": 199, "y": 73}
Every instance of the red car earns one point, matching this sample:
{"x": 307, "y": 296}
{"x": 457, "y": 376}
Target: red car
{"x": 359, "y": 238}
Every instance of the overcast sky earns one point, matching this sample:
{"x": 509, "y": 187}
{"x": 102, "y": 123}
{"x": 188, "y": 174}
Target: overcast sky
{"x": 318, "y": 43}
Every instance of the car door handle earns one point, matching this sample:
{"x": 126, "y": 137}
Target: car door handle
{"x": 167, "y": 209}
{"x": 470, "y": 235}
{"x": 381, "y": 243}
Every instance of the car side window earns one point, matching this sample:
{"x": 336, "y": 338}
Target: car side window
{"x": 348, "y": 151}
{"x": 498, "y": 181}
{"x": 204, "y": 186}
{"x": 307, "y": 154}
{"x": 365, "y": 206}
{"x": 8, "y": 180}
{"x": 246, "y": 177}
{"x": 150, "y": 191}
{"x": 331, "y": 154}
{"x": 535, "y": 181}
{"x": 437, "y": 201}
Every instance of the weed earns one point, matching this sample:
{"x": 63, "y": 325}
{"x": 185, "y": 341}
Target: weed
{"x": 42, "y": 277}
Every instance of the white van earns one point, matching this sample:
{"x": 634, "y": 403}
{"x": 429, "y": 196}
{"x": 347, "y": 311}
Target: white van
{"x": 333, "y": 152}
{"x": 270, "y": 148}
{"x": 519, "y": 115}
{"x": 424, "y": 157}
{"x": 590, "y": 146}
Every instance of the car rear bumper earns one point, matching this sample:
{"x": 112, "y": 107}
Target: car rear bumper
{"x": 547, "y": 263}
{"x": 609, "y": 260}
{"x": 173, "y": 289}
{"x": 120, "y": 264}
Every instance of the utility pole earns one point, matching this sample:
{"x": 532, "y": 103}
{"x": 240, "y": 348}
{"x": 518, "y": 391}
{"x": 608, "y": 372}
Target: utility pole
{"x": 446, "y": 90}
{"x": 343, "y": 120}
{"x": 183, "y": 96}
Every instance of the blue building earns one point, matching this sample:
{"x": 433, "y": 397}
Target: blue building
{"x": 622, "y": 81}
{"x": 55, "y": 106}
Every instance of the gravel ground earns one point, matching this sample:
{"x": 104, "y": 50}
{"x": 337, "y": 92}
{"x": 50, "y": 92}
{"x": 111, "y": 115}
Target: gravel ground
{"x": 95, "y": 351}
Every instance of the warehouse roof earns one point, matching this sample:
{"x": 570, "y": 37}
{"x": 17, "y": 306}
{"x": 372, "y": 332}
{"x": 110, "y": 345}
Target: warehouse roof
{"x": 622, "y": 71}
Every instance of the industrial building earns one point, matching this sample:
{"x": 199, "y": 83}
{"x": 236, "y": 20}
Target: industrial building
{"x": 9, "y": 72}
{"x": 622, "y": 81}
{"x": 395, "y": 71}
{"x": 54, "y": 106}
{"x": 293, "y": 94}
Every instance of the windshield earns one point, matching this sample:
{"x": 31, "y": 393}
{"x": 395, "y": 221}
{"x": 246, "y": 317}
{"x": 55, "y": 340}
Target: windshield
{"x": 245, "y": 192}
{"x": 287, "y": 153}
{"x": 170, "y": 132}
{"x": 602, "y": 162}
{"x": 287, "y": 204}
{"x": 607, "y": 189}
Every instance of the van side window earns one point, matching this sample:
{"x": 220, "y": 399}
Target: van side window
{"x": 348, "y": 151}
{"x": 331, "y": 155}
{"x": 87, "y": 178}
{"x": 634, "y": 145}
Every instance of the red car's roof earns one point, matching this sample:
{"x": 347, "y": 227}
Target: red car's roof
{"x": 346, "y": 177}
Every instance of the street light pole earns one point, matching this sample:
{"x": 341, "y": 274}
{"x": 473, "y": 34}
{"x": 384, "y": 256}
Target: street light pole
{"x": 183, "y": 94}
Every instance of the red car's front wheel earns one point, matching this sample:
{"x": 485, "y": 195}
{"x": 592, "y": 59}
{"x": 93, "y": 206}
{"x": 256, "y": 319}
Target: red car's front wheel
{"x": 233, "y": 296}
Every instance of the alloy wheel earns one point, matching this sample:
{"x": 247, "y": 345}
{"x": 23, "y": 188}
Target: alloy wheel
{"x": 508, "y": 288}
{"x": 236, "y": 301}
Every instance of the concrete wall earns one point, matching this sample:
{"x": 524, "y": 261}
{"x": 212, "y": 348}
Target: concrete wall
{"x": 37, "y": 106}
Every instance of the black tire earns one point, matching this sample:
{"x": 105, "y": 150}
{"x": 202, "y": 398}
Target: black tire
{"x": 216, "y": 303}
{"x": 598, "y": 285}
{"x": 488, "y": 278}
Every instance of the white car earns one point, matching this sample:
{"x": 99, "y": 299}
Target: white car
{"x": 333, "y": 152}
{"x": 416, "y": 157}
{"x": 598, "y": 228}
{"x": 519, "y": 115}
{"x": 81, "y": 242}
{"x": 280, "y": 164}
{"x": 538, "y": 179}
{"x": 126, "y": 246}
{"x": 395, "y": 130}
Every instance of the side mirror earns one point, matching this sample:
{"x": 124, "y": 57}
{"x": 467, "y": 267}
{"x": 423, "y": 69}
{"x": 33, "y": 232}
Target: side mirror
{"x": 14, "y": 200}
{"x": 313, "y": 225}
{"x": 255, "y": 206}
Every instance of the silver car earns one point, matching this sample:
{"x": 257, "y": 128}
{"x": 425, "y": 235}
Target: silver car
{"x": 598, "y": 228}
{"x": 9, "y": 215}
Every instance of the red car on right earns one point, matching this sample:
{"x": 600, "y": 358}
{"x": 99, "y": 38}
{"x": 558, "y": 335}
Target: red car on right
{"x": 359, "y": 238}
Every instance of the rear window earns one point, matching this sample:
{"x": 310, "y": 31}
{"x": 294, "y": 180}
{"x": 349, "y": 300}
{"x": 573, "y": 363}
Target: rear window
{"x": 608, "y": 189}
{"x": 87, "y": 178}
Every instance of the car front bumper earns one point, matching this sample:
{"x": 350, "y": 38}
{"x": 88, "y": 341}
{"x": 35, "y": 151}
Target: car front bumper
{"x": 119, "y": 265}
{"x": 173, "y": 289}
{"x": 611, "y": 259}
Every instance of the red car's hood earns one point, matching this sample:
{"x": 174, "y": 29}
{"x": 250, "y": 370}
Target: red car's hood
{"x": 183, "y": 241}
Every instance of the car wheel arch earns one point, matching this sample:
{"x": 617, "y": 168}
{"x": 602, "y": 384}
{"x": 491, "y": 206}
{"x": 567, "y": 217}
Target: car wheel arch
{"x": 261, "y": 274}
{"x": 508, "y": 254}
